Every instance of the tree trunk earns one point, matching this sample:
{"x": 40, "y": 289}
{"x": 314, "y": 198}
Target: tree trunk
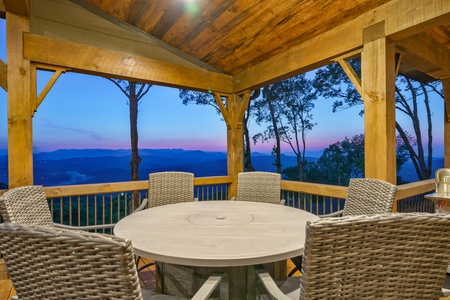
{"x": 135, "y": 159}
{"x": 276, "y": 132}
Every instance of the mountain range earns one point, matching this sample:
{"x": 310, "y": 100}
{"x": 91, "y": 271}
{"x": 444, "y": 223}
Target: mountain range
{"x": 83, "y": 166}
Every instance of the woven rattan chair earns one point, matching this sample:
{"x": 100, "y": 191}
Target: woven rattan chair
{"x": 365, "y": 196}
{"x": 170, "y": 188}
{"x": 386, "y": 256}
{"x": 28, "y": 205}
{"x": 52, "y": 263}
{"x": 259, "y": 187}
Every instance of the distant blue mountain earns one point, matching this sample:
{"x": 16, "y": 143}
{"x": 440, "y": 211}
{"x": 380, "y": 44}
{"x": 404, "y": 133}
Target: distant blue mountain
{"x": 82, "y": 166}
{"x": 75, "y": 166}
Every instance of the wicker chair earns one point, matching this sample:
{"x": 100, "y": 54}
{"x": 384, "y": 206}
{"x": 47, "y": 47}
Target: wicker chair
{"x": 51, "y": 263}
{"x": 28, "y": 205}
{"x": 259, "y": 187}
{"x": 386, "y": 256}
{"x": 170, "y": 188}
{"x": 365, "y": 196}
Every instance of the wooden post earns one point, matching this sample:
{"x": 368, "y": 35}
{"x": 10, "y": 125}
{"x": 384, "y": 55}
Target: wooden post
{"x": 20, "y": 145}
{"x": 378, "y": 86}
{"x": 446, "y": 88}
{"x": 233, "y": 114}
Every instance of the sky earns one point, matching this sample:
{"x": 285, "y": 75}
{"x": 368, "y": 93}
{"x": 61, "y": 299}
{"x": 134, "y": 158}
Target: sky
{"x": 85, "y": 112}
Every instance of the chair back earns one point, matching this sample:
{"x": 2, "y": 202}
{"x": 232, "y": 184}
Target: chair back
{"x": 386, "y": 256}
{"x": 259, "y": 187}
{"x": 50, "y": 263}
{"x": 170, "y": 188}
{"x": 26, "y": 205}
{"x": 368, "y": 196}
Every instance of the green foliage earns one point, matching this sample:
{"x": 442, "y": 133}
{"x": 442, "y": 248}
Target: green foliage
{"x": 340, "y": 162}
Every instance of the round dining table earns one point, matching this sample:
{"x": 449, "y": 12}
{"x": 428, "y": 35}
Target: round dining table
{"x": 216, "y": 234}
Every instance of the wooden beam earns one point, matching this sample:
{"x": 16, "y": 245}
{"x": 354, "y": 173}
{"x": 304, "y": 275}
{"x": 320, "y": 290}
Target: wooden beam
{"x": 17, "y": 7}
{"x": 378, "y": 86}
{"x": 398, "y": 63}
{"x": 3, "y": 74}
{"x": 108, "y": 63}
{"x": 354, "y": 78}
{"x": 46, "y": 89}
{"x": 20, "y": 144}
{"x": 402, "y": 18}
{"x": 222, "y": 108}
{"x": 143, "y": 34}
{"x": 429, "y": 49}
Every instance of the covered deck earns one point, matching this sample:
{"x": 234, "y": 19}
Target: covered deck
{"x": 227, "y": 48}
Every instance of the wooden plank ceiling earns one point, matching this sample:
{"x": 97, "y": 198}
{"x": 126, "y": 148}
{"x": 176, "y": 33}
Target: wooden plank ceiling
{"x": 231, "y": 36}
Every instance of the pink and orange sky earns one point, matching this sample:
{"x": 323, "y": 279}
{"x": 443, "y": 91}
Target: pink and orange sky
{"x": 83, "y": 111}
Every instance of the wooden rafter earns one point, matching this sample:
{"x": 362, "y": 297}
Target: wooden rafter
{"x": 121, "y": 65}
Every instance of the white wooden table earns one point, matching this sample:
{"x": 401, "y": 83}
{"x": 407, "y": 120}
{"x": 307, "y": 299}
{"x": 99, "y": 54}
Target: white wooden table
{"x": 216, "y": 233}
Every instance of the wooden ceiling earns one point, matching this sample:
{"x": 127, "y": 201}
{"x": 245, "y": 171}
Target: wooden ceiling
{"x": 231, "y": 36}
{"x": 253, "y": 42}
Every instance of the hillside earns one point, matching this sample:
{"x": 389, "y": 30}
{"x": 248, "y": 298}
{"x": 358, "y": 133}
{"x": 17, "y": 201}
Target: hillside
{"x": 73, "y": 166}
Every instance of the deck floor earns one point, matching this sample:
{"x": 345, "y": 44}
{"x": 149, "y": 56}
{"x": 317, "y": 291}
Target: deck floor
{"x": 146, "y": 278}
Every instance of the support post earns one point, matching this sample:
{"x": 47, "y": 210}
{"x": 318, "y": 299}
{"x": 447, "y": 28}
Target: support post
{"x": 233, "y": 114}
{"x": 20, "y": 145}
{"x": 378, "y": 86}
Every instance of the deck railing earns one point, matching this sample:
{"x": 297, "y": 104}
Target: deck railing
{"x": 107, "y": 203}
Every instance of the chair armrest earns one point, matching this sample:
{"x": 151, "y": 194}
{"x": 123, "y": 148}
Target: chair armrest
{"x": 269, "y": 284}
{"x": 210, "y": 285}
{"x": 142, "y": 206}
{"x": 334, "y": 214}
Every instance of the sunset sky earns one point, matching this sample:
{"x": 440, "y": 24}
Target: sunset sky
{"x": 83, "y": 111}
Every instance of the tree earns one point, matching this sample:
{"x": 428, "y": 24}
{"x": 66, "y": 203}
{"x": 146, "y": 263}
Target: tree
{"x": 288, "y": 107}
{"x": 266, "y": 112}
{"x": 201, "y": 98}
{"x": 332, "y": 82}
{"x": 134, "y": 91}
{"x": 341, "y": 161}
